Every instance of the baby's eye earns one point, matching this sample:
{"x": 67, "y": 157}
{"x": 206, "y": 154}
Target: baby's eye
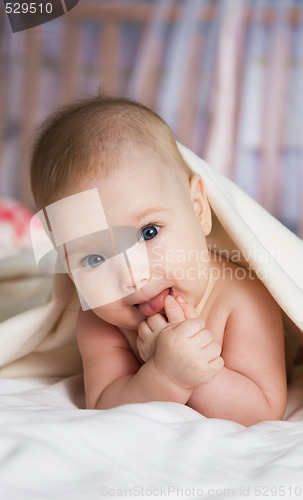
{"x": 92, "y": 261}
{"x": 149, "y": 232}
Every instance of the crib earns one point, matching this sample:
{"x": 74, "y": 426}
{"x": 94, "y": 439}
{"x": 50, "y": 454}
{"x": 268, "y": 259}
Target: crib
{"x": 133, "y": 48}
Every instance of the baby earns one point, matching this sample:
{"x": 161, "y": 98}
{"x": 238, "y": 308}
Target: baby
{"x": 174, "y": 324}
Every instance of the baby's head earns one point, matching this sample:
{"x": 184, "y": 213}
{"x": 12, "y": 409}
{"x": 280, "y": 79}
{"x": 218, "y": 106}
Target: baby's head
{"x": 113, "y": 180}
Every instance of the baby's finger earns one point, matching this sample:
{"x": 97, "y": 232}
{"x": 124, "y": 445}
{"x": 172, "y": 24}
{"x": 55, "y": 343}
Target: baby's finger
{"x": 217, "y": 364}
{"x": 143, "y": 329}
{"x": 188, "y": 309}
{"x": 173, "y": 310}
{"x": 213, "y": 351}
{"x": 203, "y": 338}
{"x": 156, "y": 322}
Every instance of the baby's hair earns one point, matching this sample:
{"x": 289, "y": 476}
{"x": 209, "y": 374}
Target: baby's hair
{"x": 73, "y": 143}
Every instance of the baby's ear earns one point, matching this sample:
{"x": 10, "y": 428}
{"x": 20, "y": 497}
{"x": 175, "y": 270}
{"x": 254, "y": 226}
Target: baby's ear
{"x": 200, "y": 203}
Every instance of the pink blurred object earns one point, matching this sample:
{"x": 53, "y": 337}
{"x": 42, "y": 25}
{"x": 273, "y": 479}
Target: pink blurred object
{"x": 14, "y": 227}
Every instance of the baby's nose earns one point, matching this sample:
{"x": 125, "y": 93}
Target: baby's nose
{"x": 134, "y": 278}
{"x": 130, "y": 288}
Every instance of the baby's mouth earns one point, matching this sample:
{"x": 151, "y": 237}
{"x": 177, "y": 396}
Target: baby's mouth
{"x": 156, "y": 304}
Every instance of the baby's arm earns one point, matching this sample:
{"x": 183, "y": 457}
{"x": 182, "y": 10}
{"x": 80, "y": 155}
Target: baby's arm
{"x": 251, "y": 387}
{"x": 112, "y": 375}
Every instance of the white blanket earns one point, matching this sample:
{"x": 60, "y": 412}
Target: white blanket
{"x": 52, "y": 450}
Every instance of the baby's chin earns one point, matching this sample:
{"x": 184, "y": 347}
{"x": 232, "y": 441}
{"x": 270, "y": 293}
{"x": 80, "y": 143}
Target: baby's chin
{"x": 128, "y": 318}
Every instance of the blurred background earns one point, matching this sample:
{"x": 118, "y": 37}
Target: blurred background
{"x": 227, "y": 76}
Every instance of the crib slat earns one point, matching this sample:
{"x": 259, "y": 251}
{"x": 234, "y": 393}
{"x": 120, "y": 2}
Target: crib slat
{"x": 31, "y": 64}
{"x": 111, "y": 57}
{"x": 69, "y": 62}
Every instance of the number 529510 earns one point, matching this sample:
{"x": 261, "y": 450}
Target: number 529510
{"x": 28, "y": 8}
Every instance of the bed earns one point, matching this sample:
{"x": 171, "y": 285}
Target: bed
{"x": 52, "y": 448}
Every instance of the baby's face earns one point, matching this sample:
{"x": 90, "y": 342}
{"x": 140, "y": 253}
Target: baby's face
{"x": 149, "y": 210}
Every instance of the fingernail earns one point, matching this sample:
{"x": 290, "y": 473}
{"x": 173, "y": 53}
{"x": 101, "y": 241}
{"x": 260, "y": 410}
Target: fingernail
{"x": 180, "y": 299}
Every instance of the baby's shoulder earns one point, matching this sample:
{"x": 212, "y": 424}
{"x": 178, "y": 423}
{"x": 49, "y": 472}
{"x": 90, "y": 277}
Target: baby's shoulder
{"x": 243, "y": 303}
{"x": 240, "y": 287}
{"x": 245, "y": 290}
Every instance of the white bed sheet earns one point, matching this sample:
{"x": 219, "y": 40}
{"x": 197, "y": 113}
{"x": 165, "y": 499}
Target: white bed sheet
{"x": 52, "y": 450}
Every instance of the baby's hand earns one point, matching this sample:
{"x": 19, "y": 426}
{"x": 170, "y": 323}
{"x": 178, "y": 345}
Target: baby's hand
{"x": 186, "y": 352}
{"x": 148, "y": 331}
{"x": 150, "y": 328}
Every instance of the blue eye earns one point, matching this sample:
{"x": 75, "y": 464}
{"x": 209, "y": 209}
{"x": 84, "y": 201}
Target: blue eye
{"x": 149, "y": 232}
{"x": 92, "y": 261}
